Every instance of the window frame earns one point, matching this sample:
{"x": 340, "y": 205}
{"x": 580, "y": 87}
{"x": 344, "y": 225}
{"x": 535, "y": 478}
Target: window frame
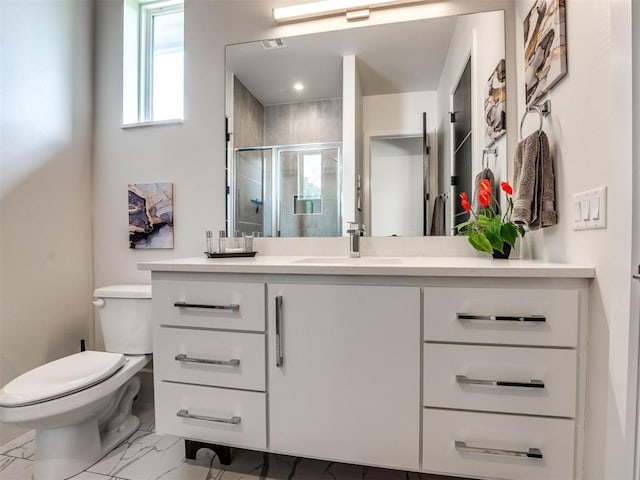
{"x": 301, "y": 172}
{"x": 138, "y": 62}
{"x": 148, "y": 11}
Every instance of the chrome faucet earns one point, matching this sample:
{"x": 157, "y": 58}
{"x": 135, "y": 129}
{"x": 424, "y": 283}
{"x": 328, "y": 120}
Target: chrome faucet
{"x": 355, "y": 231}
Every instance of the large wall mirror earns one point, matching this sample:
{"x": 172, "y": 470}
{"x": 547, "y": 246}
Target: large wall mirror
{"x": 383, "y": 125}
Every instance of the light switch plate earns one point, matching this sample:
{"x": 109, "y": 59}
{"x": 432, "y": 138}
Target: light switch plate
{"x": 590, "y": 209}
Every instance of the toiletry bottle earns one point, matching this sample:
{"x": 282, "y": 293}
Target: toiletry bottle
{"x": 208, "y": 238}
{"x": 248, "y": 242}
{"x": 222, "y": 241}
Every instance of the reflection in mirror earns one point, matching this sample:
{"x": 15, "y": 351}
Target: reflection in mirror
{"x": 382, "y": 125}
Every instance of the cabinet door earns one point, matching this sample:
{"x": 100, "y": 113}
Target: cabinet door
{"x": 348, "y": 385}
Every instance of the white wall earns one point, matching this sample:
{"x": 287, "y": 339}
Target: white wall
{"x": 590, "y": 135}
{"x": 397, "y": 187}
{"x": 45, "y": 183}
{"x": 472, "y": 35}
{"x": 351, "y": 138}
{"x": 398, "y": 114}
{"x": 635, "y": 288}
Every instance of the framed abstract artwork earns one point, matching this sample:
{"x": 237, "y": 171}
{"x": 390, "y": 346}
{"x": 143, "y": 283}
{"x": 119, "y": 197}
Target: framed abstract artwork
{"x": 545, "y": 48}
{"x": 150, "y": 215}
{"x": 495, "y": 104}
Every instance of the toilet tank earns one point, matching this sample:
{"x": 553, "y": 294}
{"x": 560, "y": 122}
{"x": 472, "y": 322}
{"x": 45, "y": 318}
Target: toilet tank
{"x": 124, "y": 313}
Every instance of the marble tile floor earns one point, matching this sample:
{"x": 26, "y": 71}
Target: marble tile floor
{"x": 147, "y": 456}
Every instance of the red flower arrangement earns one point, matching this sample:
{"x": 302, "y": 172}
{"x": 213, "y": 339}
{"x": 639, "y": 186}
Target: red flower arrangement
{"x": 487, "y": 231}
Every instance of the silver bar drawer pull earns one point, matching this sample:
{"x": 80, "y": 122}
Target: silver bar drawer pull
{"x": 533, "y": 383}
{"x": 186, "y": 414}
{"x": 181, "y": 357}
{"x": 531, "y": 453}
{"x": 234, "y": 307}
{"x": 279, "y": 354}
{"x": 502, "y": 318}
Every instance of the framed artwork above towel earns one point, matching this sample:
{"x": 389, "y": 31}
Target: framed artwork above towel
{"x": 545, "y": 48}
{"x": 495, "y": 104}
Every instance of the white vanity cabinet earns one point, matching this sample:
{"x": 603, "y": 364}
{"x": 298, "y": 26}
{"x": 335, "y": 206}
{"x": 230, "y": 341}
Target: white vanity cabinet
{"x": 477, "y": 372}
{"x": 343, "y": 363}
{"x": 209, "y": 359}
{"x": 501, "y": 381}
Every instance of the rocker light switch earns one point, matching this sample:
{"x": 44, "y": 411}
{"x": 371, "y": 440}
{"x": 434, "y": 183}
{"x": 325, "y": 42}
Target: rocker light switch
{"x": 594, "y": 208}
{"x": 577, "y": 216}
{"x": 584, "y": 208}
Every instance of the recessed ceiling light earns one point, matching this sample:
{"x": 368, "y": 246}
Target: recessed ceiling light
{"x": 298, "y": 86}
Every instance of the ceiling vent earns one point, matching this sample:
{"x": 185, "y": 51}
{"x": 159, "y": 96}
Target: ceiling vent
{"x": 273, "y": 43}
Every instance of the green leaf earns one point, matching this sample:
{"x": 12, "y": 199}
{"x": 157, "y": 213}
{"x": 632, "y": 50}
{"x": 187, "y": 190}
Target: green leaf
{"x": 480, "y": 242}
{"x": 494, "y": 227}
{"x": 496, "y": 241}
{"x": 509, "y": 233}
{"x": 483, "y": 221}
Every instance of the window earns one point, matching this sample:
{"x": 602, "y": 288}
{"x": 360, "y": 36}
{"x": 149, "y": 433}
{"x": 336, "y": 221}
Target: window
{"x": 311, "y": 175}
{"x": 153, "y": 56}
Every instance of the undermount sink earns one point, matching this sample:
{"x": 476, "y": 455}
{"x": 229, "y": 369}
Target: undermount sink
{"x": 350, "y": 261}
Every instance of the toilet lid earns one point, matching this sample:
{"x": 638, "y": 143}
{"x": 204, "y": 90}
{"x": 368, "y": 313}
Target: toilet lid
{"x": 60, "y": 377}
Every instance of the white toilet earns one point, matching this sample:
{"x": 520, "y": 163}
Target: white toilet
{"x": 80, "y": 405}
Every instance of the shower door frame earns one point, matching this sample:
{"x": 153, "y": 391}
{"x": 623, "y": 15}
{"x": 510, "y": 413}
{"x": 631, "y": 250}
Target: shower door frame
{"x": 232, "y": 206}
{"x": 275, "y": 180}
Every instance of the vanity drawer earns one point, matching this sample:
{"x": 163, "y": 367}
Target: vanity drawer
{"x": 209, "y": 357}
{"x": 223, "y": 416}
{"x": 208, "y": 304}
{"x": 487, "y": 436}
{"x": 490, "y": 315}
{"x": 535, "y": 381}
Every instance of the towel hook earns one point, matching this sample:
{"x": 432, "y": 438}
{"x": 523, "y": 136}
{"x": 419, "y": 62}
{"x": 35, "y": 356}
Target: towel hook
{"x": 543, "y": 110}
{"x": 485, "y": 153}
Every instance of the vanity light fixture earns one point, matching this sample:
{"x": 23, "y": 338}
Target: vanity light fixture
{"x": 359, "y": 9}
{"x": 362, "y": 14}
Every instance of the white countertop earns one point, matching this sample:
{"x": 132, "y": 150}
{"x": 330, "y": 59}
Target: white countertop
{"x": 386, "y": 266}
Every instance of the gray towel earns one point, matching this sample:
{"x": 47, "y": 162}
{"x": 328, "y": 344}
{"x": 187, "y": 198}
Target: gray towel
{"x": 534, "y": 184}
{"x": 438, "y": 219}
{"x": 485, "y": 173}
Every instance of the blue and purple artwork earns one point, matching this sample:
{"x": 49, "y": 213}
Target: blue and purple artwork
{"x": 151, "y": 215}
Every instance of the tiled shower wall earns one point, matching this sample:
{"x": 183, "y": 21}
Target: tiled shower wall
{"x": 248, "y": 117}
{"x": 304, "y": 122}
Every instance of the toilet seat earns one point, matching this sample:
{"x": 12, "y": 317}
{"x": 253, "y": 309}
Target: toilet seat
{"x": 60, "y": 378}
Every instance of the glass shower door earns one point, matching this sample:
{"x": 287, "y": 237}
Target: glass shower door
{"x": 309, "y": 191}
{"x": 252, "y": 205}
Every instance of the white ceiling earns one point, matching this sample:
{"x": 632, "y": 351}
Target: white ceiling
{"x": 392, "y": 58}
